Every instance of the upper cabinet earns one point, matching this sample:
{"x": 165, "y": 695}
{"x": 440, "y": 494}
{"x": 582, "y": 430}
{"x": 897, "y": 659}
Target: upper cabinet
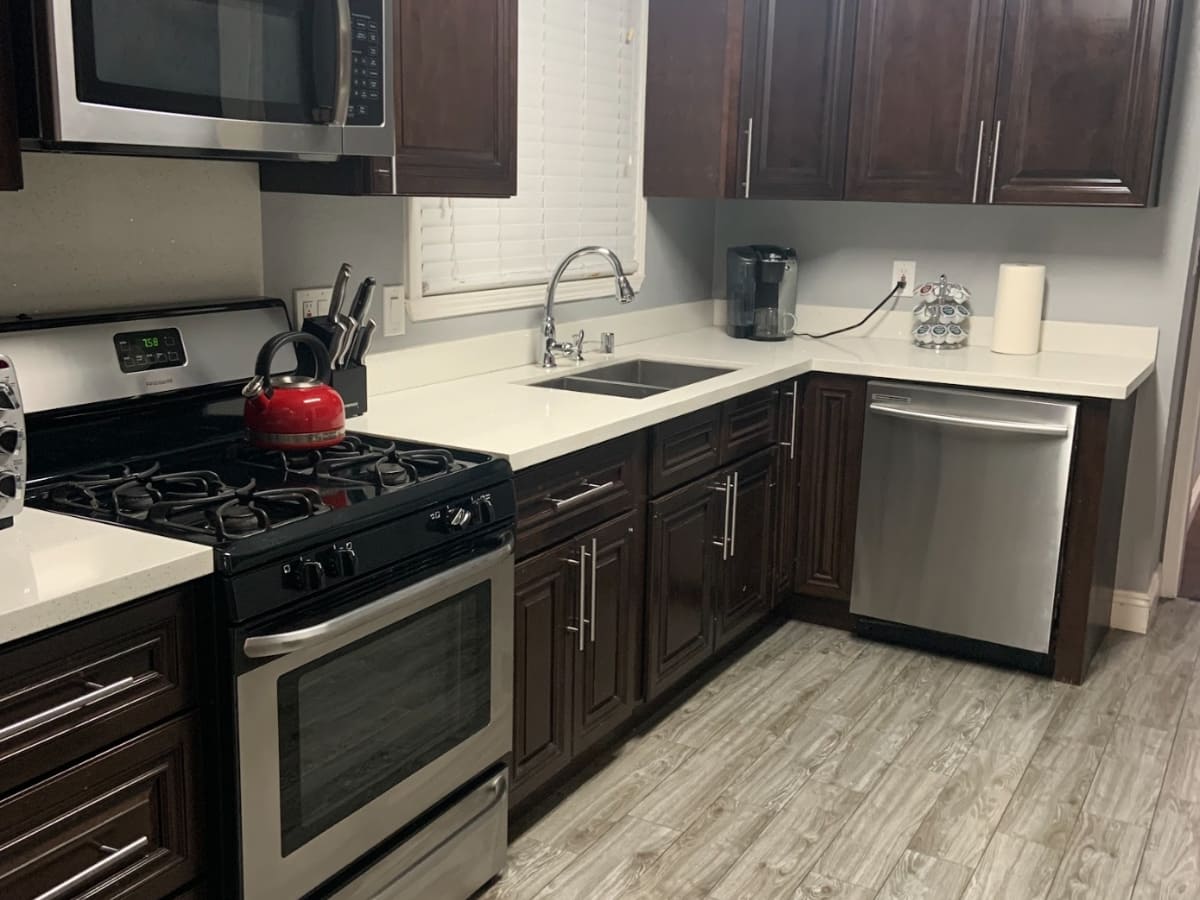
{"x": 455, "y": 90}
{"x": 10, "y": 154}
{"x": 1082, "y": 101}
{"x": 796, "y": 97}
{"x": 970, "y": 101}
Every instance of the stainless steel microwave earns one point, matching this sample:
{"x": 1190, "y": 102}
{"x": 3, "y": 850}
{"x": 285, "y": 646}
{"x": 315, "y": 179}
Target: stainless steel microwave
{"x": 308, "y": 79}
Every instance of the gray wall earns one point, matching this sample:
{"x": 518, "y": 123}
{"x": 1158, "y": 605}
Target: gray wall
{"x": 1119, "y": 266}
{"x": 103, "y": 231}
{"x": 305, "y": 238}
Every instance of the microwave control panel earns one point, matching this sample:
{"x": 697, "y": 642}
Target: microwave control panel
{"x": 366, "y": 67}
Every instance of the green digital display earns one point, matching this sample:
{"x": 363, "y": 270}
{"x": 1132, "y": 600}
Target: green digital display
{"x": 150, "y": 343}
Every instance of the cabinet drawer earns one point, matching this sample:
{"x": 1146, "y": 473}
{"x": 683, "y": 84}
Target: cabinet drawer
{"x": 126, "y": 819}
{"x": 684, "y": 449}
{"x": 93, "y": 684}
{"x": 569, "y": 495}
{"x": 748, "y": 424}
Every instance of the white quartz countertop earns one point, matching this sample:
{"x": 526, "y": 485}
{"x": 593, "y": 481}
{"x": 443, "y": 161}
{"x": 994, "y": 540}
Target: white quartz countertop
{"x": 58, "y": 568}
{"x": 501, "y": 413}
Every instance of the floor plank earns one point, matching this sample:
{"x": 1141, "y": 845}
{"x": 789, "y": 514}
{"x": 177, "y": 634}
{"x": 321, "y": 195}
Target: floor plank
{"x": 531, "y": 866}
{"x": 816, "y": 886}
{"x": 1183, "y": 771}
{"x": 1101, "y": 860}
{"x": 1130, "y": 776}
{"x": 1012, "y": 867}
{"x": 1051, "y": 794}
{"x": 929, "y": 878}
{"x": 775, "y": 778}
{"x": 944, "y": 738}
{"x": 615, "y": 861}
{"x": 1171, "y": 866}
{"x": 1020, "y": 719}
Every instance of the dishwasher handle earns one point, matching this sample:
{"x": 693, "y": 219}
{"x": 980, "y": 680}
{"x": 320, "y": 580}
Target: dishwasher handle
{"x": 979, "y": 424}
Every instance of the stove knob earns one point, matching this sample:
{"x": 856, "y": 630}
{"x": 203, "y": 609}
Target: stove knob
{"x": 10, "y": 440}
{"x": 457, "y": 519}
{"x": 341, "y": 562}
{"x": 485, "y": 512}
{"x": 8, "y": 485}
{"x": 304, "y": 575}
{"x": 8, "y": 399}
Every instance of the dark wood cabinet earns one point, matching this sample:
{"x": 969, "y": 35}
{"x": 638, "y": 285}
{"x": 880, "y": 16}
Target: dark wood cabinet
{"x": 748, "y": 574}
{"x": 546, "y": 604}
{"x": 685, "y": 527}
{"x": 129, "y": 816}
{"x": 748, "y": 423}
{"x": 455, "y": 92}
{"x": 10, "y": 154}
{"x": 748, "y": 98}
{"x": 1081, "y": 103}
{"x": 684, "y": 449}
{"x": 606, "y": 670}
{"x": 831, "y": 436}
{"x": 924, "y": 86}
{"x": 796, "y": 76}
{"x": 579, "y": 609}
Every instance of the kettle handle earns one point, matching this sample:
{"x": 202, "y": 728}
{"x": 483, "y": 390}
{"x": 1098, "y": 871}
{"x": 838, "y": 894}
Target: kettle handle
{"x": 262, "y": 368}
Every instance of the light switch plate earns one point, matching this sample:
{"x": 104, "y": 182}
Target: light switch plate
{"x": 310, "y": 302}
{"x": 394, "y": 318}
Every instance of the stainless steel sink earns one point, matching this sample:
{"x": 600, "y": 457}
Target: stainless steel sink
{"x": 635, "y": 378}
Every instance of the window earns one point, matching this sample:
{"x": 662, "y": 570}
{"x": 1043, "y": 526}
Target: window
{"x": 580, "y": 99}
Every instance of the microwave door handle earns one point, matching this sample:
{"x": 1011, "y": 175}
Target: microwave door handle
{"x": 271, "y": 645}
{"x": 345, "y": 59}
{"x": 331, "y": 61}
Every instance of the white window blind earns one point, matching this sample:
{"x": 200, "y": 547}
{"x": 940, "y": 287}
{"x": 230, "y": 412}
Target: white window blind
{"x": 577, "y": 147}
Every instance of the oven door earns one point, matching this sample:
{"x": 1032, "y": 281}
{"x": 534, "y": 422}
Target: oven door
{"x": 224, "y": 77}
{"x": 350, "y": 728}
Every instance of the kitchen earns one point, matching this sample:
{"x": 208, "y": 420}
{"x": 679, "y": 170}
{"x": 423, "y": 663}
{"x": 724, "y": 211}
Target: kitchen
{"x": 615, "y": 624}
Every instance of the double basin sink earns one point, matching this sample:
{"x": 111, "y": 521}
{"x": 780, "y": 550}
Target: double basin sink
{"x": 635, "y": 378}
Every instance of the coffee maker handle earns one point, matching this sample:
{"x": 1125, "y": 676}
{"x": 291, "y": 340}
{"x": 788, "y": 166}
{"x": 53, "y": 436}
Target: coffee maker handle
{"x": 789, "y": 322}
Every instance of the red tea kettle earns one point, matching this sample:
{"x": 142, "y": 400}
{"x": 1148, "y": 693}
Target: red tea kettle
{"x": 296, "y": 411}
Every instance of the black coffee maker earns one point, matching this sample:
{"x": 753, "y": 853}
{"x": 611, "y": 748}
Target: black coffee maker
{"x": 762, "y": 282}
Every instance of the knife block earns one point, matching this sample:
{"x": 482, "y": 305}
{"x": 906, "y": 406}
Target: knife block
{"x": 351, "y": 383}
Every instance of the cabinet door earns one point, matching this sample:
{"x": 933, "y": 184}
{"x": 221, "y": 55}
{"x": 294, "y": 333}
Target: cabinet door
{"x": 796, "y": 97}
{"x": 748, "y": 581}
{"x": 693, "y": 83}
{"x": 787, "y": 510}
{"x": 830, "y": 463}
{"x": 547, "y": 603}
{"x": 10, "y": 154}
{"x": 748, "y": 424}
{"x": 924, "y": 88}
{"x": 1081, "y": 101}
{"x": 606, "y": 671}
{"x": 684, "y": 528}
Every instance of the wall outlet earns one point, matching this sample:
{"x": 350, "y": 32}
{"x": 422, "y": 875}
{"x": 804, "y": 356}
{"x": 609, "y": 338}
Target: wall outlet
{"x": 394, "y": 318}
{"x": 310, "y": 302}
{"x": 907, "y": 270}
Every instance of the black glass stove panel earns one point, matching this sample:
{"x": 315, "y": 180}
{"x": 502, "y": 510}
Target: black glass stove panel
{"x": 141, "y": 351}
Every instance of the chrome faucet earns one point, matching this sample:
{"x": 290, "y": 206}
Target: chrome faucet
{"x": 574, "y": 350}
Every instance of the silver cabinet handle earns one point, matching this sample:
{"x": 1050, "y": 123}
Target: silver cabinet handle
{"x": 995, "y": 161}
{"x": 592, "y": 621}
{"x": 345, "y": 59}
{"x": 115, "y": 858}
{"x": 978, "y": 161}
{"x": 269, "y": 645}
{"x": 593, "y": 491}
{"x": 101, "y": 692}
{"x": 794, "y": 393}
{"x": 583, "y": 621}
{"x": 749, "y": 153}
{"x": 723, "y": 543}
{"x": 733, "y": 520}
{"x": 1009, "y": 425}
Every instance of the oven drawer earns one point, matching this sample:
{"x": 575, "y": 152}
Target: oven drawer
{"x": 569, "y": 495}
{"x": 76, "y": 691}
{"x": 126, "y": 819}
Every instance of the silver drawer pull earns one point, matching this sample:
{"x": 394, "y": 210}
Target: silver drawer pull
{"x": 101, "y": 692}
{"x": 592, "y": 491}
{"x": 116, "y": 857}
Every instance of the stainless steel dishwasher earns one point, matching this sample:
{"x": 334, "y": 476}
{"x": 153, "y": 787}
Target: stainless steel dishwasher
{"x": 960, "y": 519}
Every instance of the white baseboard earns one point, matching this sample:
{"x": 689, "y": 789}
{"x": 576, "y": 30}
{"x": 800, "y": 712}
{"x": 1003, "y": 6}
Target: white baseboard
{"x": 1134, "y": 610}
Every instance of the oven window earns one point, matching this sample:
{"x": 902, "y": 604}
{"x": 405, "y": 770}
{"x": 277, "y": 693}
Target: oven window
{"x": 235, "y": 59}
{"x": 359, "y": 721}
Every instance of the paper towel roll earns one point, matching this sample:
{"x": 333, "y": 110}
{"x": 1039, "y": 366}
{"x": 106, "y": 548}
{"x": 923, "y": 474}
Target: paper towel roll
{"x": 1019, "y": 299}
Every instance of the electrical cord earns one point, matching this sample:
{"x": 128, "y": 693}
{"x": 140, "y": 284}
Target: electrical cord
{"x": 900, "y": 285}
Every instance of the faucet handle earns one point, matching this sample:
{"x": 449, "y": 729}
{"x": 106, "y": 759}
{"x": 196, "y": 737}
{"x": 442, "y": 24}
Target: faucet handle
{"x": 577, "y": 345}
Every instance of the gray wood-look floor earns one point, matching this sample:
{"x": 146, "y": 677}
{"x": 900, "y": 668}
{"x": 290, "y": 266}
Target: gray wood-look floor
{"x": 820, "y": 765}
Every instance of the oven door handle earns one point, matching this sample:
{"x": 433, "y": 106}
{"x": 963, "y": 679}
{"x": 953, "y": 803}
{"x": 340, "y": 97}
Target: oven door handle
{"x": 270, "y": 645}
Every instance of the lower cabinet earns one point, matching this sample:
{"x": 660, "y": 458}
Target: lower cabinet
{"x": 711, "y": 567}
{"x": 579, "y": 608}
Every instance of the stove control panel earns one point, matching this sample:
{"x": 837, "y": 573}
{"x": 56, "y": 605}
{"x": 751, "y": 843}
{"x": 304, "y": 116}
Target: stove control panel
{"x": 304, "y": 574}
{"x": 464, "y": 514}
{"x": 142, "y": 351}
{"x": 12, "y": 444}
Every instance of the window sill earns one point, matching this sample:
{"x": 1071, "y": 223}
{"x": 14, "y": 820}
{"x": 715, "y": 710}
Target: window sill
{"x": 448, "y": 306}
